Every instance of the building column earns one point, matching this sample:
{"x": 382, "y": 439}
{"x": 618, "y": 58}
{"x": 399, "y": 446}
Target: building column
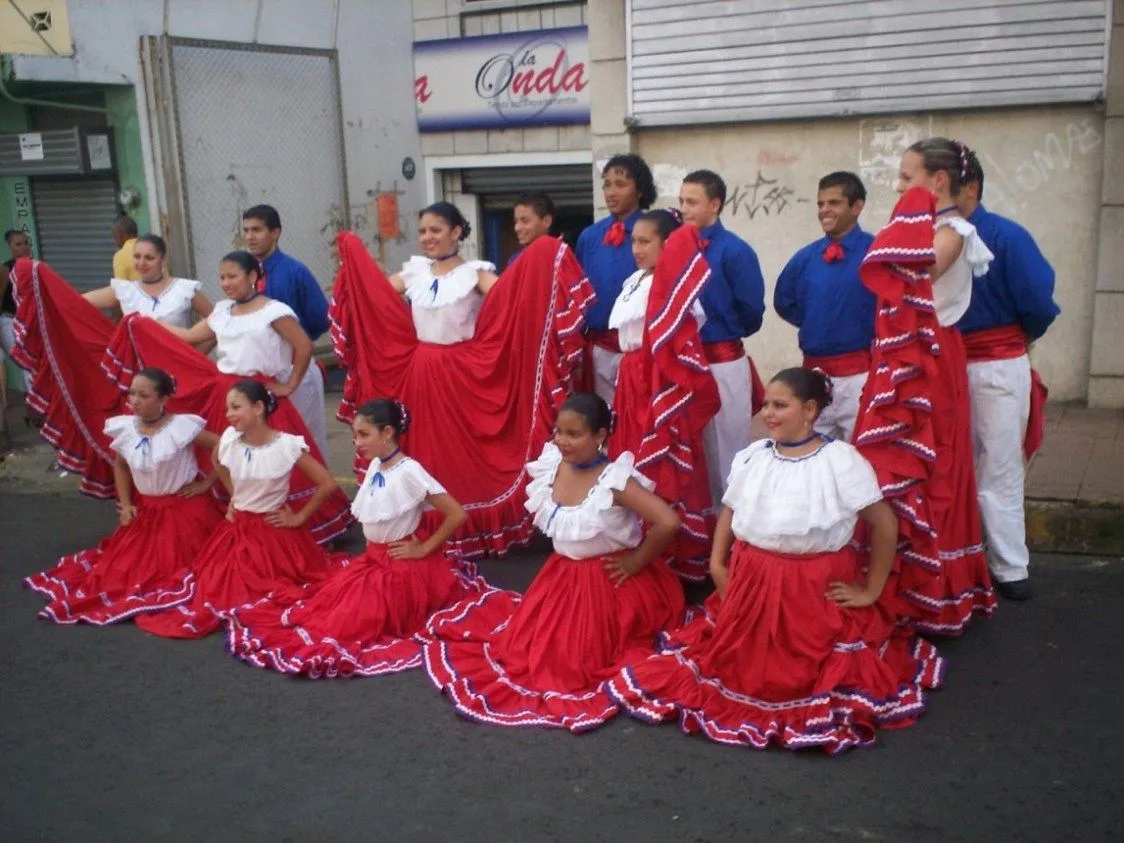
{"x": 608, "y": 87}
{"x": 1106, "y": 362}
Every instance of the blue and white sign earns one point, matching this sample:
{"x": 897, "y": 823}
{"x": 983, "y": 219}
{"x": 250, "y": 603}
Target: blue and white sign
{"x": 503, "y": 81}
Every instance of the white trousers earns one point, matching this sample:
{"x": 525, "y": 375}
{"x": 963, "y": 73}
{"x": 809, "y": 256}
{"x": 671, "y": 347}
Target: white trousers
{"x": 8, "y": 342}
{"x": 728, "y": 432}
{"x": 308, "y": 400}
{"x": 838, "y": 419}
{"x": 1000, "y": 396}
{"x": 606, "y": 364}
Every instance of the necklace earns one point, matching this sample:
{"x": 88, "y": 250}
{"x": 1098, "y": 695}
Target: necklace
{"x": 253, "y": 295}
{"x": 153, "y": 282}
{"x": 597, "y": 460}
{"x": 151, "y": 422}
{"x": 798, "y": 444}
{"x": 377, "y": 478}
{"x": 449, "y": 256}
{"x": 943, "y": 211}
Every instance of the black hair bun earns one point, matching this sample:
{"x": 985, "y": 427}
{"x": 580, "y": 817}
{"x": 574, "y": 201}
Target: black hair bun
{"x": 466, "y": 230}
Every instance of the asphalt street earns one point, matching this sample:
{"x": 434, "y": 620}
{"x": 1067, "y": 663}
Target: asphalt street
{"x": 113, "y": 735}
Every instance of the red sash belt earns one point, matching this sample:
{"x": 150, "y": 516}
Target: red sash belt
{"x": 1008, "y": 342}
{"x": 841, "y": 365}
{"x": 604, "y": 339}
{"x": 727, "y": 351}
{"x": 1005, "y": 343}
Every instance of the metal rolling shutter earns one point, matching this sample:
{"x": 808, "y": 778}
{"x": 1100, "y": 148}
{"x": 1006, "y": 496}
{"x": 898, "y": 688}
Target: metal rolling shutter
{"x": 745, "y": 60}
{"x": 567, "y": 186}
{"x": 74, "y": 221}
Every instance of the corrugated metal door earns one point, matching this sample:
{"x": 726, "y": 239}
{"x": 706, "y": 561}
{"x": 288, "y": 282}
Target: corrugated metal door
{"x": 279, "y": 142}
{"x": 744, "y": 60}
{"x": 567, "y": 186}
{"x": 74, "y": 219}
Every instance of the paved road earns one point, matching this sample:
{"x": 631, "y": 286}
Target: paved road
{"x": 109, "y": 735}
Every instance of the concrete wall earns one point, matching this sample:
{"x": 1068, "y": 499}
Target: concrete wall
{"x": 373, "y": 39}
{"x": 1043, "y": 168}
{"x": 1106, "y": 365}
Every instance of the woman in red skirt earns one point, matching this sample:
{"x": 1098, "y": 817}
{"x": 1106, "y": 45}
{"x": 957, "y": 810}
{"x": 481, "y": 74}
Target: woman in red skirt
{"x": 658, "y": 306}
{"x": 362, "y": 620}
{"x": 596, "y": 606}
{"x": 964, "y": 587}
{"x": 798, "y": 646}
{"x": 163, "y": 511}
{"x": 262, "y": 547}
{"x": 483, "y": 363}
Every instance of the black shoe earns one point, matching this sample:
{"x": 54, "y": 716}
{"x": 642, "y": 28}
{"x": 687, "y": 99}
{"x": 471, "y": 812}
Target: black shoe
{"x": 1017, "y": 590}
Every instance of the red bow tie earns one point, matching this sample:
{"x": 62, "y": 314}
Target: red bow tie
{"x": 833, "y": 253}
{"x": 261, "y": 278}
{"x": 615, "y": 235}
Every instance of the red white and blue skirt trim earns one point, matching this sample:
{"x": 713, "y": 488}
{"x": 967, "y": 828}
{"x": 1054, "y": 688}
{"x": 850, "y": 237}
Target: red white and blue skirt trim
{"x": 542, "y": 659}
{"x": 361, "y": 621}
{"x": 143, "y": 567}
{"x": 778, "y": 663}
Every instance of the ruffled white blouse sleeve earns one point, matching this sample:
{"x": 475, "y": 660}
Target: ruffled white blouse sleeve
{"x": 799, "y": 504}
{"x": 630, "y": 310}
{"x": 162, "y": 463}
{"x": 596, "y": 526}
{"x": 248, "y": 344}
{"x": 260, "y": 473}
{"x": 444, "y": 307}
{"x": 952, "y": 292}
{"x": 391, "y": 501}
{"x": 173, "y": 305}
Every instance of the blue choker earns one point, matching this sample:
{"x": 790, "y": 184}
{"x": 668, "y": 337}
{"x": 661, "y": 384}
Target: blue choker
{"x": 799, "y": 444}
{"x": 377, "y": 479}
{"x": 943, "y": 211}
{"x": 598, "y": 460}
{"x": 248, "y": 298}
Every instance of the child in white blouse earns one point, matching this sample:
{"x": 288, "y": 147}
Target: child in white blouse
{"x": 362, "y": 620}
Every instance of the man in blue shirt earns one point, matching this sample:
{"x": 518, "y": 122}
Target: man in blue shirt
{"x": 286, "y": 279}
{"x": 819, "y": 292}
{"x": 1012, "y": 305}
{"x": 605, "y": 252}
{"x": 734, "y": 302}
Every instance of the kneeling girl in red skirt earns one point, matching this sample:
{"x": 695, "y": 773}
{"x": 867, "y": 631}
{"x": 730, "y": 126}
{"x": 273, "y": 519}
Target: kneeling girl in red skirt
{"x": 799, "y": 646}
{"x": 262, "y": 547}
{"x": 596, "y": 606}
{"x": 146, "y": 565}
{"x": 362, "y": 620}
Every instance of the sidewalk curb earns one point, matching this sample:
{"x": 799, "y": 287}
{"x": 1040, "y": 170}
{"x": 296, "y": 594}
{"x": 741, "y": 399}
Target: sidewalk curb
{"x": 1074, "y": 527}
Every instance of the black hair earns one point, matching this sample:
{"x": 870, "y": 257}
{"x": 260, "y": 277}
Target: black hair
{"x": 10, "y": 233}
{"x": 126, "y": 225}
{"x": 156, "y": 242}
{"x": 712, "y": 184}
{"x": 975, "y": 174}
{"x": 637, "y": 169}
{"x": 591, "y": 407}
{"x": 386, "y": 412}
{"x": 165, "y": 384}
{"x": 666, "y": 220}
{"x": 266, "y": 214}
{"x": 951, "y": 156}
{"x": 852, "y": 185}
{"x": 807, "y": 385}
{"x": 451, "y": 214}
{"x": 244, "y": 260}
{"x": 540, "y": 203}
{"x": 255, "y": 392}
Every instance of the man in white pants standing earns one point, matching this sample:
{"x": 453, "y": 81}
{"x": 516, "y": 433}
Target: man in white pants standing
{"x": 734, "y": 301}
{"x": 1012, "y": 305}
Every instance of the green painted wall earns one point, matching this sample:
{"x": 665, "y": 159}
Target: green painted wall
{"x": 121, "y": 102}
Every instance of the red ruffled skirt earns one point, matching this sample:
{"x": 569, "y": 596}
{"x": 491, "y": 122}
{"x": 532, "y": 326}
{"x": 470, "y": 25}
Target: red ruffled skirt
{"x": 143, "y": 567}
{"x": 964, "y": 585}
{"x": 361, "y": 621}
{"x": 542, "y": 659}
{"x": 777, "y": 662}
{"x": 688, "y": 492}
{"x": 481, "y": 409}
{"x": 245, "y": 560}
{"x": 201, "y": 389}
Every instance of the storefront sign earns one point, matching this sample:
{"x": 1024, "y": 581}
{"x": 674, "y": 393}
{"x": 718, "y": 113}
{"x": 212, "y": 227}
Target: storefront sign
{"x": 503, "y": 81}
